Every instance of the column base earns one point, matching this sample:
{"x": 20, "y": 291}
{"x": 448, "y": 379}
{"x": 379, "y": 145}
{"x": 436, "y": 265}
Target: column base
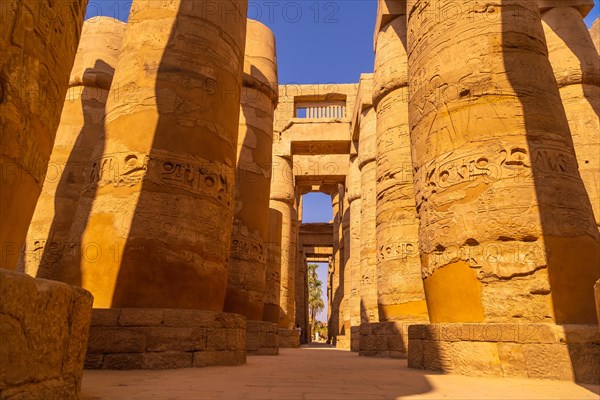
{"x": 355, "y": 339}
{"x": 537, "y": 351}
{"x": 384, "y": 339}
{"x": 343, "y": 342}
{"x": 261, "y": 338}
{"x": 43, "y": 331}
{"x": 288, "y": 339}
{"x": 136, "y": 338}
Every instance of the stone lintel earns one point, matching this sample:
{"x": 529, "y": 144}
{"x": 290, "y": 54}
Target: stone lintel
{"x": 584, "y": 6}
{"x": 526, "y": 350}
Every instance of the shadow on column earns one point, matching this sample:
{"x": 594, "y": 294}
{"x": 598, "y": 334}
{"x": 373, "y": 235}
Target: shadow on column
{"x": 60, "y": 259}
{"x": 569, "y": 235}
{"x": 177, "y": 250}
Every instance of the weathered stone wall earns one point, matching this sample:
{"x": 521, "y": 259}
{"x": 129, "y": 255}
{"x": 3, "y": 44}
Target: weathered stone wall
{"x": 81, "y": 128}
{"x": 44, "y": 329}
{"x": 139, "y": 338}
{"x": 576, "y": 66}
{"x": 38, "y": 41}
{"x": 160, "y": 192}
{"x": 288, "y": 339}
{"x": 502, "y": 205}
{"x": 247, "y": 262}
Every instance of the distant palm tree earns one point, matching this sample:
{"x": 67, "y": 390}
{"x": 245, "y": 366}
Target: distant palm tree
{"x": 315, "y": 296}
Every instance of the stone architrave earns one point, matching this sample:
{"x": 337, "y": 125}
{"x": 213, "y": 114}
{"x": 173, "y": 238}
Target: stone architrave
{"x": 38, "y": 42}
{"x": 248, "y": 260}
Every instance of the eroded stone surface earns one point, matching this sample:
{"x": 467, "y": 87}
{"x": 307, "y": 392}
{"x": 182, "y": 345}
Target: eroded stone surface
{"x": 38, "y": 41}
{"x": 44, "y": 329}
{"x": 262, "y": 338}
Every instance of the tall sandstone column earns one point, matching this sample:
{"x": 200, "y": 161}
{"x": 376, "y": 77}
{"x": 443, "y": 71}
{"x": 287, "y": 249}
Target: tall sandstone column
{"x": 345, "y": 279}
{"x": 81, "y": 128}
{"x": 353, "y": 273}
{"x": 247, "y": 263}
{"x": 507, "y": 231}
{"x": 38, "y": 42}
{"x": 282, "y": 200}
{"x": 368, "y": 252}
{"x": 400, "y": 287}
{"x": 273, "y": 274}
{"x": 595, "y": 33}
{"x": 576, "y": 66}
{"x": 159, "y": 231}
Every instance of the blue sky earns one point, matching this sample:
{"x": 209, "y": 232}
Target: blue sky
{"x": 318, "y": 41}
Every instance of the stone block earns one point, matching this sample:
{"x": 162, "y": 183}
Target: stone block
{"x": 105, "y": 316}
{"x": 512, "y": 360}
{"x": 416, "y": 355}
{"x": 44, "y": 329}
{"x": 183, "y": 318}
{"x": 216, "y": 339}
{"x": 123, "y": 361}
{"x": 93, "y": 361}
{"x": 475, "y": 358}
{"x": 168, "y": 360}
{"x": 162, "y": 338}
{"x": 105, "y": 340}
{"x": 141, "y": 317}
{"x": 548, "y": 361}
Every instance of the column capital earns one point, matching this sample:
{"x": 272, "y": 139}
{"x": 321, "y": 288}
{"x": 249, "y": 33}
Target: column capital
{"x": 584, "y": 6}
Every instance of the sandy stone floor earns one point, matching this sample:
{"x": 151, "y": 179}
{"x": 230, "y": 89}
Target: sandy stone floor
{"x": 318, "y": 373}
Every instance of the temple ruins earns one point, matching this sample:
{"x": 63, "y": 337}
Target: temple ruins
{"x": 153, "y": 174}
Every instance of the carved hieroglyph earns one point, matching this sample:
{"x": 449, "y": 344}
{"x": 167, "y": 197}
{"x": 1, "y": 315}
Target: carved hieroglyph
{"x": 160, "y": 191}
{"x": 506, "y": 230}
{"x": 576, "y": 66}
{"x": 81, "y": 128}
{"x": 247, "y": 263}
{"x": 400, "y": 287}
{"x": 282, "y": 201}
{"x": 353, "y": 272}
{"x": 368, "y": 255}
{"x": 38, "y": 42}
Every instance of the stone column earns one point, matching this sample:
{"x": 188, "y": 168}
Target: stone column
{"x": 282, "y": 200}
{"x": 400, "y": 287}
{"x": 346, "y": 282}
{"x": 38, "y": 42}
{"x": 337, "y": 257}
{"x": 507, "y": 230}
{"x": 81, "y": 128}
{"x": 273, "y": 275}
{"x": 159, "y": 231}
{"x": 595, "y": 33}
{"x": 576, "y": 66}
{"x": 368, "y": 178}
{"x": 354, "y": 200}
{"x": 247, "y": 262}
